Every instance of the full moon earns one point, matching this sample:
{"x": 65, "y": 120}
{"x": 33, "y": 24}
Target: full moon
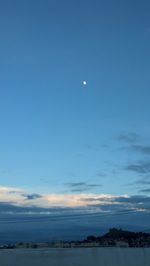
{"x": 84, "y": 82}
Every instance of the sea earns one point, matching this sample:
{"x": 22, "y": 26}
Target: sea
{"x": 76, "y": 257}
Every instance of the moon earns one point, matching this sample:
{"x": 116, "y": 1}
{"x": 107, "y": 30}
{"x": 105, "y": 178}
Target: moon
{"x": 84, "y": 82}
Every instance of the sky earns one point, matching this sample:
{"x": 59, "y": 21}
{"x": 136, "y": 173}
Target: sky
{"x": 67, "y": 147}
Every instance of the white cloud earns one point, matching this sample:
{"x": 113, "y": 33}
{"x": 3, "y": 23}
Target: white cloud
{"x": 19, "y": 197}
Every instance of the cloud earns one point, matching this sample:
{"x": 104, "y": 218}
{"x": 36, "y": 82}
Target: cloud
{"x": 76, "y": 184}
{"x": 10, "y": 194}
{"x": 143, "y": 181}
{"x": 141, "y": 148}
{"x": 32, "y": 196}
{"x": 12, "y": 208}
{"x": 145, "y": 190}
{"x": 70, "y": 205}
{"x": 10, "y": 190}
{"x": 100, "y": 174}
{"x": 81, "y": 186}
{"x": 117, "y": 204}
{"x": 133, "y": 139}
{"x": 139, "y": 167}
{"x": 118, "y": 199}
{"x": 89, "y": 204}
{"x": 134, "y": 145}
{"x": 136, "y": 199}
{"x": 129, "y": 138}
{"x": 9, "y": 208}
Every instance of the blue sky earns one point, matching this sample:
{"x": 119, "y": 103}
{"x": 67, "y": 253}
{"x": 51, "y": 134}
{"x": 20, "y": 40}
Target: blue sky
{"x": 58, "y": 136}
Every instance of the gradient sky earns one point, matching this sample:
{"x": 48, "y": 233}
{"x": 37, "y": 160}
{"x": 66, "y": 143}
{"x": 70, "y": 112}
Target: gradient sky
{"x": 58, "y": 136}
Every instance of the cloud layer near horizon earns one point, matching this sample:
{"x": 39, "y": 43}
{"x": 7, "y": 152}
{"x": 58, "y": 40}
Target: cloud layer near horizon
{"x": 18, "y": 201}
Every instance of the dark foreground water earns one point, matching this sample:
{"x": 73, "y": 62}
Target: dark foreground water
{"x": 76, "y": 257}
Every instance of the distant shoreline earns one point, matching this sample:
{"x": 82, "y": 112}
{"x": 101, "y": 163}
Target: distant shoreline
{"x": 114, "y": 238}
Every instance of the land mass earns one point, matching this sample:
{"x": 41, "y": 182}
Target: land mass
{"x": 113, "y": 238}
